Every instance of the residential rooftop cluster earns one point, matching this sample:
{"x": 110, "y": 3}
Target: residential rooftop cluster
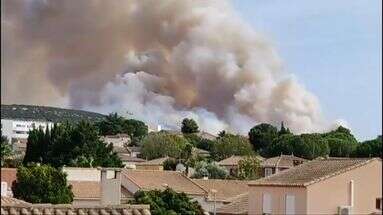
{"x": 114, "y": 166}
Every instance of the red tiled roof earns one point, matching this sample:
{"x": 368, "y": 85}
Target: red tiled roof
{"x": 239, "y": 205}
{"x": 9, "y": 201}
{"x": 226, "y": 189}
{"x": 86, "y": 189}
{"x": 233, "y": 160}
{"x": 128, "y": 158}
{"x": 312, "y": 171}
{"x": 15, "y": 206}
{"x": 154, "y": 162}
{"x": 158, "y": 180}
{"x": 284, "y": 161}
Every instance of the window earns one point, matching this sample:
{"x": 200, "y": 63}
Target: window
{"x": 20, "y": 132}
{"x": 266, "y": 203}
{"x": 378, "y": 203}
{"x": 290, "y": 204}
{"x": 268, "y": 171}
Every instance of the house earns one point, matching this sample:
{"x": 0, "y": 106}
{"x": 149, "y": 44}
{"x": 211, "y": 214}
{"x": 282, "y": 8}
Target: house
{"x": 8, "y": 176}
{"x": 201, "y": 134}
{"x": 88, "y": 183}
{"x": 206, "y": 135}
{"x": 155, "y": 164}
{"x": 129, "y": 161}
{"x": 221, "y": 192}
{"x": 19, "y": 145}
{"x": 135, "y": 180}
{"x": 276, "y": 164}
{"x": 200, "y": 152}
{"x": 321, "y": 186}
{"x": 120, "y": 140}
{"x": 15, "y": 206}
{"x": 238, "y": 206}
{"x": 134, "y": 151}
{"x": 231, "y": 163}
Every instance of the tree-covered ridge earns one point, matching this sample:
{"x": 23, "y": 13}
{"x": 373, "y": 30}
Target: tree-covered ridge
{"x": 51, "y": 114}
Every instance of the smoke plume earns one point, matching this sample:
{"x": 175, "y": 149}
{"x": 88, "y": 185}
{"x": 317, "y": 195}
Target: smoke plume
{"x": 158, "y": 61}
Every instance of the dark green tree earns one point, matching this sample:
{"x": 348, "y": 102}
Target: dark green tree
{"x": 6, "y": 150}
{"x": 111, "y": 125}
{"x": 341, "y": 142}
{"x": 193, "y": 139}
{"x": 42, "y": 184}
{"x": 312, "y": 146}
{"x": 71, "y": 145}
{"x": 307, "y": 146}
{"x": 229, "y": 145}
{"x": 114, "y": 124}
{"x": 168, "y": 202}
{"x": 369, "y": 148}
{"x": 206, "y": 144}
{"x": 35, "y": 149}
{"x": 284, "y": 130}
{"x": 136, "y": 130}
{"x": 162, "y": 144}
{"x": 189, "y": 126}
{"x": 262, "y": 135}
{"x": 222, "y": 133}
{"x": 283, "y": 144}
{"x": 170, "y": 164}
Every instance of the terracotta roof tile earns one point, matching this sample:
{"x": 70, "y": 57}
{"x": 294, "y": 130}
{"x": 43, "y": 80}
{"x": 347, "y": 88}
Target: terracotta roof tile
{"x": 286, "y": 161}
{"x": 239, "y": 205}
{"x": 226, "y": 189}
{"x": 207, "y": 135}
{"x": 119, "y": 149}
{"x": 158, "y": 161}
{"x": 312, "y": 171}
{"x": 86, "y": 189}
{"x": 9, "y": 201}
{"x": 155, "y": 179}
{"x": 128, "y": 158}
{"x": 134, "y": 149}
{"x": 49, "y": 209}
{"x": 233, "y": 160}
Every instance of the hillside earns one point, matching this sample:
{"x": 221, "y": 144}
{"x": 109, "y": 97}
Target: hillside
{"x": 52, "y": 114}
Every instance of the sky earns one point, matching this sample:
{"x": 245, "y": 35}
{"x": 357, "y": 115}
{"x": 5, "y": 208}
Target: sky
{"x": 334, "y": 49}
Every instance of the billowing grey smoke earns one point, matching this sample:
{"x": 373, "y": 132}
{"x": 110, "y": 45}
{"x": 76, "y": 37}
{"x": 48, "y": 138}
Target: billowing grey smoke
{"x": 158, "y": 60}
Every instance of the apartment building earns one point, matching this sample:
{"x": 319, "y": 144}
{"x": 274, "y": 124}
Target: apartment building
{"x": 15, "y": 129}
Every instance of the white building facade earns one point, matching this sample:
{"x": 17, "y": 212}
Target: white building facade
{"x": 19, "y": 129}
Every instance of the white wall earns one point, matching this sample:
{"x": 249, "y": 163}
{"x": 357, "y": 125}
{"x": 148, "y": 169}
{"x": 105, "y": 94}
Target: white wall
{"x": 19, "y": 128}
{"x": 82, "y": 174}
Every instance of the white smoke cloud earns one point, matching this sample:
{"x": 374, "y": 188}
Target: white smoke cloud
{"x": 158, "y": 61}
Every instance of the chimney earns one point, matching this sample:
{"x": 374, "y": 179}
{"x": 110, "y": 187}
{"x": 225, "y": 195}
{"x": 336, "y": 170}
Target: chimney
{"x": 110, "y": 186}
